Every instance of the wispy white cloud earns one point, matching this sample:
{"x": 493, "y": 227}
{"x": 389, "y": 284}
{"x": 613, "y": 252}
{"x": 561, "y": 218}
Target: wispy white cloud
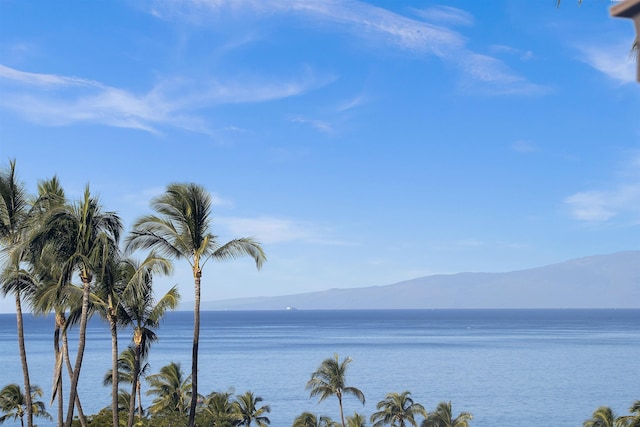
{"x": 358, "y": 18}
{"x": 620, "y": 200}
{"x": 523, "y": 55}
{"x": 43, "y": 80}
{"x": 352, "y": 103}
{"x": 482, "y": 73}
{"x": 62, "y": 100}
{"x": 446, "y": 15}
{"x": 279, "y": 230}
{"x": 611, "y": 59}
{"x": 486, "y": 74}
{"x": 522, "y": 146}
{"x": 319, "y": 125}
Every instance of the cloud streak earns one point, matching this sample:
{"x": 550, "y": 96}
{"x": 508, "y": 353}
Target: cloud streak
{"x": 613, "y": 60}
{"x": 272, "y": 230}
{"x": 621, "y": 200}
{"x": 366, "y": 21}
{"x": 58, "y": 100}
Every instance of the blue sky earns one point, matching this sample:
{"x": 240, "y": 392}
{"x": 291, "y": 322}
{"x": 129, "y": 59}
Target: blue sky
{"x": 362, "y": 142}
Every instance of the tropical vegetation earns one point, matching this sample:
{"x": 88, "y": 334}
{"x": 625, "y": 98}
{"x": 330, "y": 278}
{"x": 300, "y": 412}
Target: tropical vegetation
{"x": 397, "y": 410}
{"x": 13, "y": 403}
{"x": 182, "y": 229}
{"x": 330, "y": 380}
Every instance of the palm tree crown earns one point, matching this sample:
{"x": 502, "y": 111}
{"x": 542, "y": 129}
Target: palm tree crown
{"x": 247, "y": 405}
{"x": 182, "y": 230}
{"x": 397, "y": 410}
{"x": 443, "y": 417}
{"x": 13, "y": 403}
{"x": 171, "y": 389}
{"x": 309, "y": 419}
{"x": 330, "y": 379}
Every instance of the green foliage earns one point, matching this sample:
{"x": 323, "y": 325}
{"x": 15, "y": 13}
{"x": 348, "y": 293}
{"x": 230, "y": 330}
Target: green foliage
{"x": 443, "y": 417}
{"x": 13, "y": 403}
{"x": 397, "y": 410}
{"x": 330, "y": 380}
{"x": 172, "y": 390}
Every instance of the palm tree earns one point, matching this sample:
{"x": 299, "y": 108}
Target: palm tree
{"x": 356, "y": 420}
{"x": 13, "y": 403}
{"x": 49, "y": 297}
{"x": 144, "y": 313}
{"x": 631, "y": 420}
{"x": 171, "y": 389}
{"x": 247, "y": 406}
{"x": 84, "y": 237}
{"x": 125, "y": 368}
{"x": 329, "y": 379}
{"x": 397, "y": 410}
{"x": 126, "y": 374}
{"x": 13, "y": 217}
{"x": 601, "y": 417}
{"x": 309, "y": 419}
{"x": 182, "y": 230}
{"x": 220, "y": 409}
{"x": 443, "y": 417}
{"x": 106, "y": 300}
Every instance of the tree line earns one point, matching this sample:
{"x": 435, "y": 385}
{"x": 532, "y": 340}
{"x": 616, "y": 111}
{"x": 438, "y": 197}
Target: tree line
{"x": 66, "y": 257}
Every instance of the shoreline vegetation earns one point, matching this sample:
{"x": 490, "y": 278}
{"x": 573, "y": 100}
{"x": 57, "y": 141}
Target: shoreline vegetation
{"x": 66, "y": 258}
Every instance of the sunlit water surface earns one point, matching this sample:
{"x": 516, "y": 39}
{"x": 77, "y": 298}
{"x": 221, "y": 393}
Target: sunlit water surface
{"x": 507, "y": 367}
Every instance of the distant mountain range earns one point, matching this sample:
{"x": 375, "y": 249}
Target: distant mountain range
{"x": 602, "y": 281}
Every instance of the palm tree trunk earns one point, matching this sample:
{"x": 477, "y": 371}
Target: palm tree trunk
{"x": 73, "y": 388}
{"x": 23, "y": 359}
{"x": 134, "y": 384}
{"x": 65, "y": 349}
{"x": 57, "y": 375}
{"x": 194, "y": 354}
{"x": 114, "y": 365}
{"x": 341, "y": 411}
{"x": 139, "y": 400}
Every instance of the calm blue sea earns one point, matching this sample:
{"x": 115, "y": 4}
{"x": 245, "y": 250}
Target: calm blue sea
{"x": 508, "y": 367}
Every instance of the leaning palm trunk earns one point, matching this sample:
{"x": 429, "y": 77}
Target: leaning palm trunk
{"x": 23, "y": 360}
{"x": 57, "y": 373}
{"x": 197, "y": 274}
{"x": 65, "y": 349}
{"x": 73, "y": 387}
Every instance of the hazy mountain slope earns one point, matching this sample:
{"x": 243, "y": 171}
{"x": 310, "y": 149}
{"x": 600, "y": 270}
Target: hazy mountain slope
{"x": 603, "y": 281}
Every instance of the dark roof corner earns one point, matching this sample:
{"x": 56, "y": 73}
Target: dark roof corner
{"x": 629, "y": 9}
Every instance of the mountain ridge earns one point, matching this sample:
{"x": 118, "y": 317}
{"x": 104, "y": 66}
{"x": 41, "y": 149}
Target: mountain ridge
{"x": 597, "y": 281}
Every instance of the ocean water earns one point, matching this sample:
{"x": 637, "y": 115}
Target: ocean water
{"x": 507, "y": 367}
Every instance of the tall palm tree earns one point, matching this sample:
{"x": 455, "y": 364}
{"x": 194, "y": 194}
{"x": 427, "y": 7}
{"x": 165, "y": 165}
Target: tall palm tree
{"x": 110, "y": 285}
{"x": 49, "y": 297}
{"x": 172, "y": 390}
{"x": 632, "y": 420}
{"x": 84, "y": 237}
{"x": 182, "y": 230}
{"x": 13, "y": 403}
{"x": 330, "y": 379}
{"x": 144, "y": 313}
{"x": 309, "y": 419}
{"x": 13, "y": 217}
{"x": 397, "y": 410}
{"x": 247, "y": 406}
{"x": 443, "y": 417}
